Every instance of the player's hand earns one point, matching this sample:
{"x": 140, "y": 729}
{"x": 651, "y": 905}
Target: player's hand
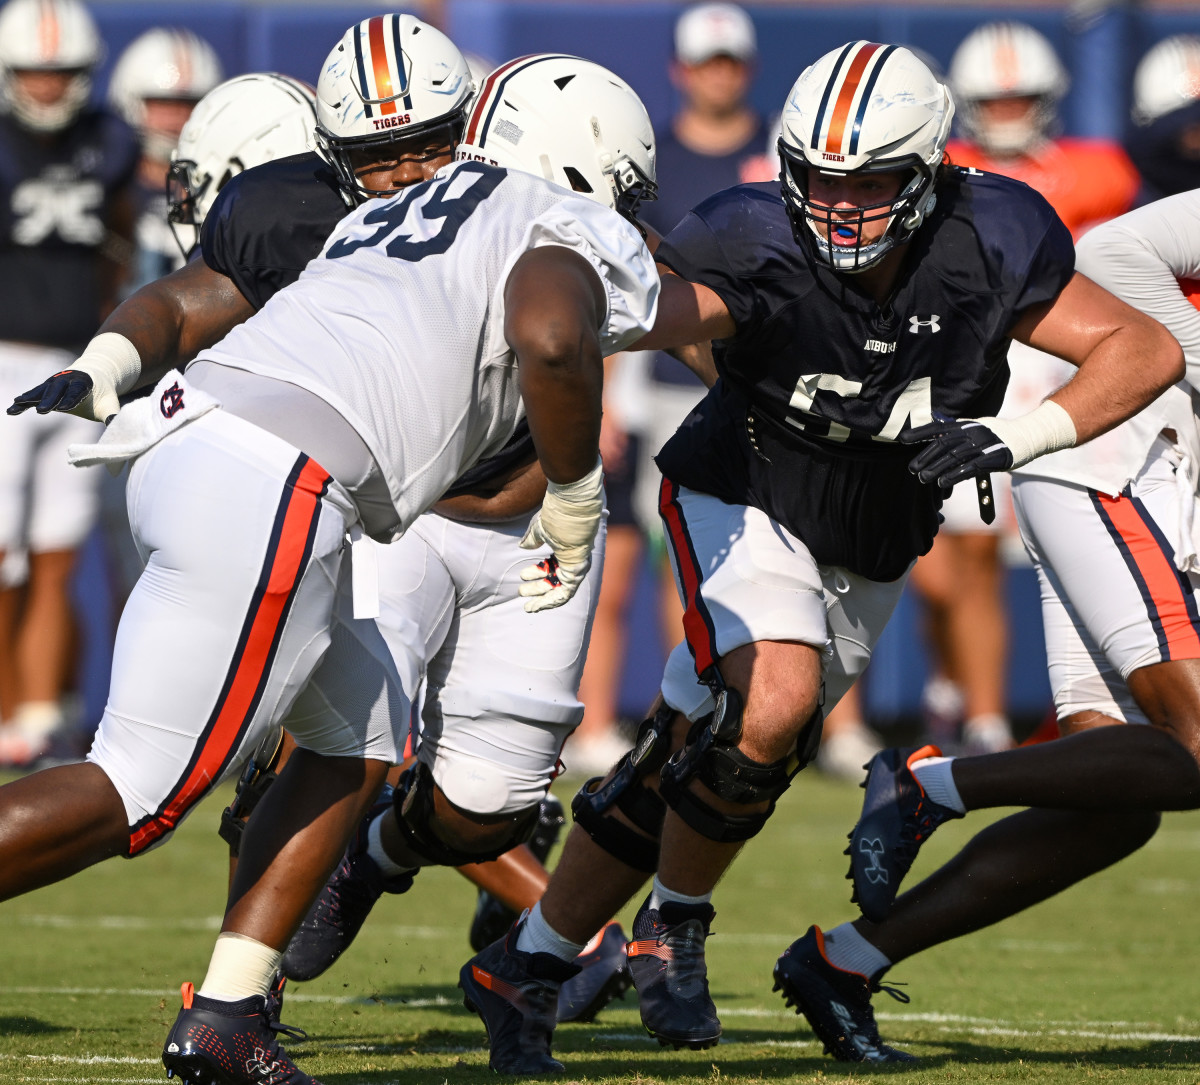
{"x": 549, "y": 583}
{"x": 956, "y": 449}
{"x": 70, "y": 391}
{"x": 567, "y": 523}
{"x": 109, "y": 365}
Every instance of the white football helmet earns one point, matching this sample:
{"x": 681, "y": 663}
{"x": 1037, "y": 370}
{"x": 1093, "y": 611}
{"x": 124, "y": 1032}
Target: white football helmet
{"x": 244, "y": 122}
{"x": 1167, "y": 78}
{"x": 863, "y": 108}
{"x": 1007, "y": 60}
{"x": 161, "y": 63}
{"x": 48, "y": 35}
{"x": 570, "y": 121}
{"x": 390, "y": 78}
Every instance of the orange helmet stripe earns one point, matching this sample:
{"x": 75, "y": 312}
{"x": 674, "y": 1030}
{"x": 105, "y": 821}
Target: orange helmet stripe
{"x": 379, "y": 58}
{"x": 48, "y": 31}
{"x": 836, "y": 135}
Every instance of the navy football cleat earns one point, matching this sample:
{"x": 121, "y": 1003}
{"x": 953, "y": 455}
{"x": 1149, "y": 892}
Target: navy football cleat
{"x": 836, "y": 1003}
{"x": 666, "y": 961}
{"x": 897, "y": 818}
{"x": 493, "y": 917}
{"x": 515, "y": 994}
{"x": 603, "y": 976}
{"x": 342, "y": 907}
{"x": 229, "y": 1043}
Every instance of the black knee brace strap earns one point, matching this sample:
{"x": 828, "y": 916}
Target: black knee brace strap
{"x": 258, "y": 775}
{"x": 712, "y": 756}
{"x": 415, "y": 814}
{"x": 628, "y": 794}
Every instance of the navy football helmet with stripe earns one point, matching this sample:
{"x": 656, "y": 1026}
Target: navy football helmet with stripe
{"x": 863, "y": 108}
{"x": 390, "y": 79}
{"x": 570, "y": 121}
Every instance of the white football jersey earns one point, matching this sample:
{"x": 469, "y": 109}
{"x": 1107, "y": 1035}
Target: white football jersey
{"x": 399, "y": 323}
{"x": 1145, "y": 258}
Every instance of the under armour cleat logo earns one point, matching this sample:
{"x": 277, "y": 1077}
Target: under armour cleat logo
{"x": 172, "y": 401}
{"x": 876, "y": 873}
{"x": 258, "y": 1067}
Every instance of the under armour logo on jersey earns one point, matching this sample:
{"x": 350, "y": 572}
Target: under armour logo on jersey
{"x": 876, "y": 873}
{"x": 172, "y": 401}
{"x": 915, "y": 324}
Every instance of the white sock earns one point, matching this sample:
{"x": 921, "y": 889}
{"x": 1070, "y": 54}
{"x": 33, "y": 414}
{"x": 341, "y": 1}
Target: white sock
{"x": 845, "y": 948}
{"x": 660, "y": 895}
{"x": 936, "y": 777}
{"x": 537, "y": 936}
{"x": 240, "y": 967}
{"x": 378, "y": 852}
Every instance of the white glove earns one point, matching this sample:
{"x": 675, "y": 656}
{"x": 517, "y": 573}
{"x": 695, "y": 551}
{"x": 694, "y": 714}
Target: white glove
{"x": 567, "y": 522}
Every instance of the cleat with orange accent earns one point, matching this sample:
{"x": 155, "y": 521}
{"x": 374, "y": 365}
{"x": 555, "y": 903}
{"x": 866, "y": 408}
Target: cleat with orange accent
{"x": 666, "y": 961}
{"x": 897, "y": 818}
{"x": 603, "y": 976}
{"x": 229, "y": 1043}
{"x": 836, "y": 1003}
{"x": 516, "y": 997}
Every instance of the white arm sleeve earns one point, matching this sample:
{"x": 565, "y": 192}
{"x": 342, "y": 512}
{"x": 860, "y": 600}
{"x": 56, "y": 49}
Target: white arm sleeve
{"x": 1141, "y": 257}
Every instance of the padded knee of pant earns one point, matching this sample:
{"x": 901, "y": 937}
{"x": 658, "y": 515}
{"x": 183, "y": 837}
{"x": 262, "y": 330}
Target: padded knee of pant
{"x": 417, "y": 819}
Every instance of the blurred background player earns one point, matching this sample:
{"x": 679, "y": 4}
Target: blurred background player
{"x": 713, "y": 141}
{"x": 66, "y": 238}
{"x": 1007, "y": 82}
{"x": 1165, "y": 142}
{"x": 155, "y": 85}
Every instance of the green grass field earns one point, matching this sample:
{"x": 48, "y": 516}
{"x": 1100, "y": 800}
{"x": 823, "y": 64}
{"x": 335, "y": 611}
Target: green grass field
{"x": 1098, "y": 985}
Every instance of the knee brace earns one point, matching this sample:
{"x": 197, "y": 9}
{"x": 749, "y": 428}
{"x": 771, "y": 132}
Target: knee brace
{"x": 258, "y": 775}
{"x": 711, "y": 755}
{"x": 414, "y": 804}
{"x": 631, "y": 796}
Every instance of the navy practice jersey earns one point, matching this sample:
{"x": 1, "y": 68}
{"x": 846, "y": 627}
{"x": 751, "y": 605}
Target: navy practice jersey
{"x": 264, "y": 227}
{"x": 819, "y": 380}
{"x": 56, "y": 195}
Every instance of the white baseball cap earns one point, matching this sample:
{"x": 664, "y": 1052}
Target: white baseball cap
{"x": 710, "y": 30}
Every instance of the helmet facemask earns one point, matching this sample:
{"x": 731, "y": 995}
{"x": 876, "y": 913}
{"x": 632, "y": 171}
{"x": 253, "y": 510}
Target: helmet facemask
{"x": 631, "y": 188}
{"x": 48, "y": 117}
{"x": 186, "y": 189}
{"x": 814, "y": 224}
{"x": 351, "y": 154}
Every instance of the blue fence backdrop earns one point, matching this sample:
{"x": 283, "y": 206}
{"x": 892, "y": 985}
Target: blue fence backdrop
{"x": 1100, "y": 50}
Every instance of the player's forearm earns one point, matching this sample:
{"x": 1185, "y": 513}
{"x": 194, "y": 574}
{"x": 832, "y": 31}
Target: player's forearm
{"x": 1122, "y": 374}
{"x": 151, "y": 324}
{"x": 562, "y": 390}
{"x": 172, "y": 319}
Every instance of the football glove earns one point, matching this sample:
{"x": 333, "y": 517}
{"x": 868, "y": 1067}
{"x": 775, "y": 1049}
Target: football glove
{"x": 109, "y": 365}
{"x": 567, "y": 522}
{"x": 964, "y": 448}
